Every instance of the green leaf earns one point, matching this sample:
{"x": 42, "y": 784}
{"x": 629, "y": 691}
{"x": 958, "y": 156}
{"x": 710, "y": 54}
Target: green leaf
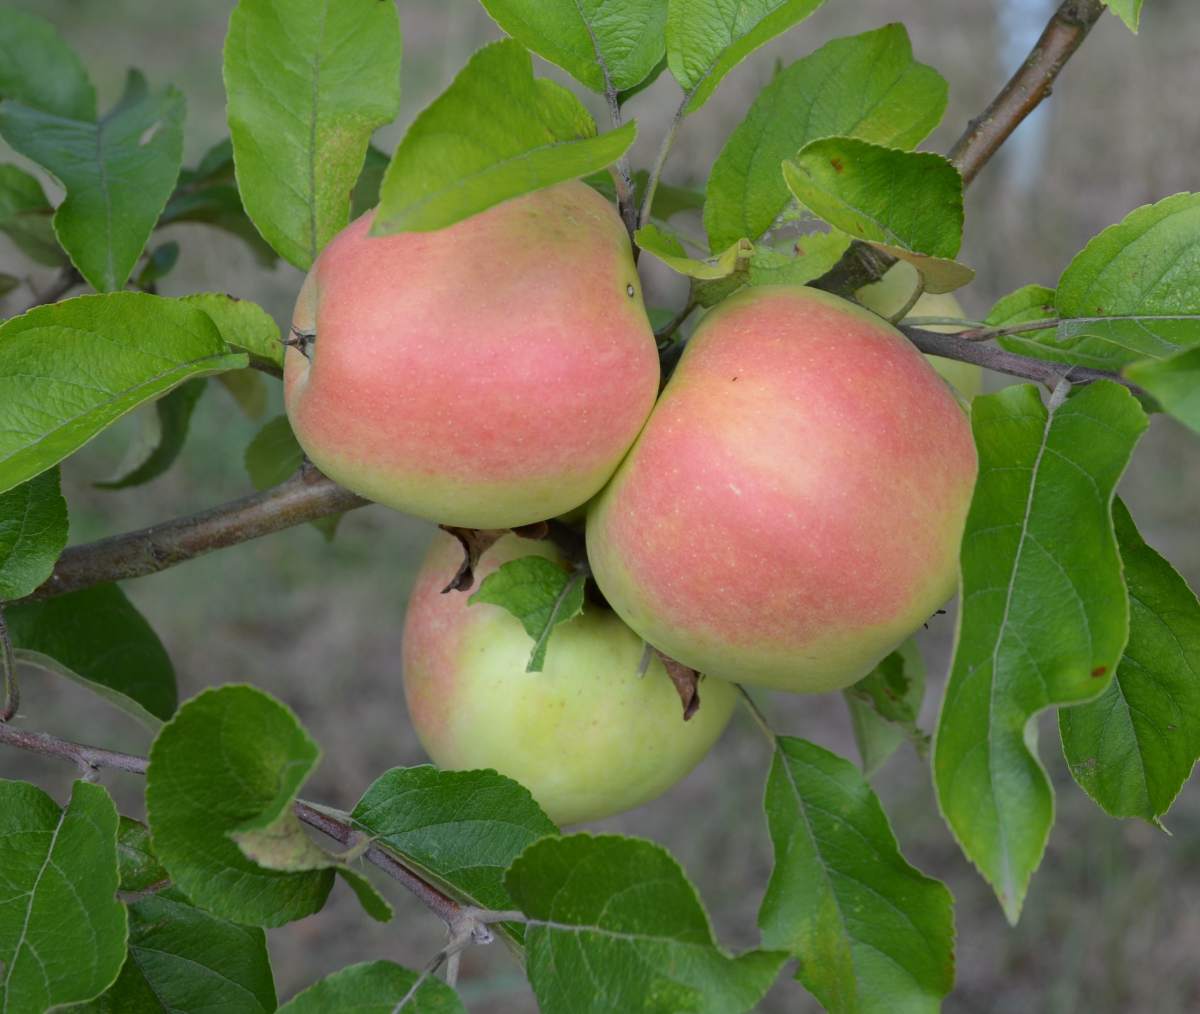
{"x": 376, "y": 987}
{"x": 706, "y": 39}
{"x": 495, "y": 133}
{"x": 40, "y": 70}
{"x": 1044, "y": 613}
{"x": 808, "y": 257}
{"x": 244, "y": 326}
{"x": 33, "y": 532}
{"x": 366, "y": 191}
{"x": 308, "y": 82}
{"x": 1174, "y": 383}
{"x": 118, "y": 174}
{"x": 96, "y": 638}
{"x": 183, "y": 959}
{"x": 62, "y": 930}
{"x": 462, "y": 829}
{"x": 274, "y": 454}
{"x": 25, "y": 216}
{"x": 589, "y": 39}
{"x": 665, "y": 246}
{"x": 539, "y": 593}
{"x": 70, "y": 369}
{"x": 1129, "y": 11}
{"x": 615, "y": 925}
{"x": 1028, "y": 303}
{"x": 139, "y": 869}
{"x": 180, "y": 958}
{"x": 231, "y": 760}
{"x": 873, "y": 934}
{"x": 174, "y": 414}
{"x": 1135, "y": 745}
{"x": 884, "y": 706}
{"x": 1132, "y": 293}
{"x": 866, "y": 86}
{"x": 209, "y": 196}
{"x": 907, "y": 203}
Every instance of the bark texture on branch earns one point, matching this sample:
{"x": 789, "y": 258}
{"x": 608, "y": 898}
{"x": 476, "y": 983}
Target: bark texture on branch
{"x": 306, "y": 496}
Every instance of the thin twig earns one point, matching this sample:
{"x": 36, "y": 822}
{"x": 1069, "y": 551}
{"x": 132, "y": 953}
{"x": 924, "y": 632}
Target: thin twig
{"x": 622, "y": 176}
{"x": 1028, "y": 87}
{"x": 660, "y": 161}
{"x": 88, "y": 758}
{"x": 985, "y": 333}
{"x": 1044, "y": 371}
{"x": 306, "y": 496}
{"x": 8, "y": 674}
{"x": 917, "y": 293}
{"x": 861, "y": 264}
{"x": 461, "y": 919}
{"x": 759, "y": 718}
{"x": 436, "y": 901}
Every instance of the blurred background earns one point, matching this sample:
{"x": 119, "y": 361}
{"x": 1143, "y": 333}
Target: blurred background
{"x": 1111, "y": 923}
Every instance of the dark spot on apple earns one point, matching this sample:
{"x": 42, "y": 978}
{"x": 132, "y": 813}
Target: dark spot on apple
{"x": 1100, "y": 670}
{"x": 735, "y": 378}
{"x": 837, "y": 164}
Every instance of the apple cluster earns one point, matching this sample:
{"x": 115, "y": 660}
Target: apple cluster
{"x": 783, "y": 515}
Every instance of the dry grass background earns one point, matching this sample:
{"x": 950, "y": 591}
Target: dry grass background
{"x": 1112, "y": 923}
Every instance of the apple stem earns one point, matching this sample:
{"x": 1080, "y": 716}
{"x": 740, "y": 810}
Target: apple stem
{"x": 759, "y": 718}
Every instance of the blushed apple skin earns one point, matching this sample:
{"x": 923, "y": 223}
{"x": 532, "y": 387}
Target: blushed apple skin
{"x": 487, "y": 375}
{"x": 794, "y": 506}
{"x": 586, "y": 736}
{"x": 887, "y": 298}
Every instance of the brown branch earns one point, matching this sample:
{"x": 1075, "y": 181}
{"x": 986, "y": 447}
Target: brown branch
{"x": 87, "y": 758}
{"x": 1027, "y": 88}
{"x": 437, "y": 902}
{"x": 463, "y": 920}
{"x": 306, "y": 496}
{"x": 11, "y": 700}
{"x": 1044, "y": 371}
{"x": 861, "y": 264}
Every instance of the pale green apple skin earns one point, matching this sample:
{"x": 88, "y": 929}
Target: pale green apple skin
{"x": 887, "y": 297}
{"x": 586, "y": 736}
{"x": 487, "y": 375}
{"x": 793, "y": 508}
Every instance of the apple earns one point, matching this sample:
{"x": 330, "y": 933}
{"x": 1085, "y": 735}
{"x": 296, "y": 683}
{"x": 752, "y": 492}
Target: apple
{"x": 793, "y": 508}
{"x": 587, "y": 736}
{"x": 487, "y": 375}
{"x": 887, "y": 298}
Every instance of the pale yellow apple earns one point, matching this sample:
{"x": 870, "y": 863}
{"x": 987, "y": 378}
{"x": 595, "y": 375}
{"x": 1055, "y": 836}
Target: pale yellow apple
{"x": 587, "y": 736}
